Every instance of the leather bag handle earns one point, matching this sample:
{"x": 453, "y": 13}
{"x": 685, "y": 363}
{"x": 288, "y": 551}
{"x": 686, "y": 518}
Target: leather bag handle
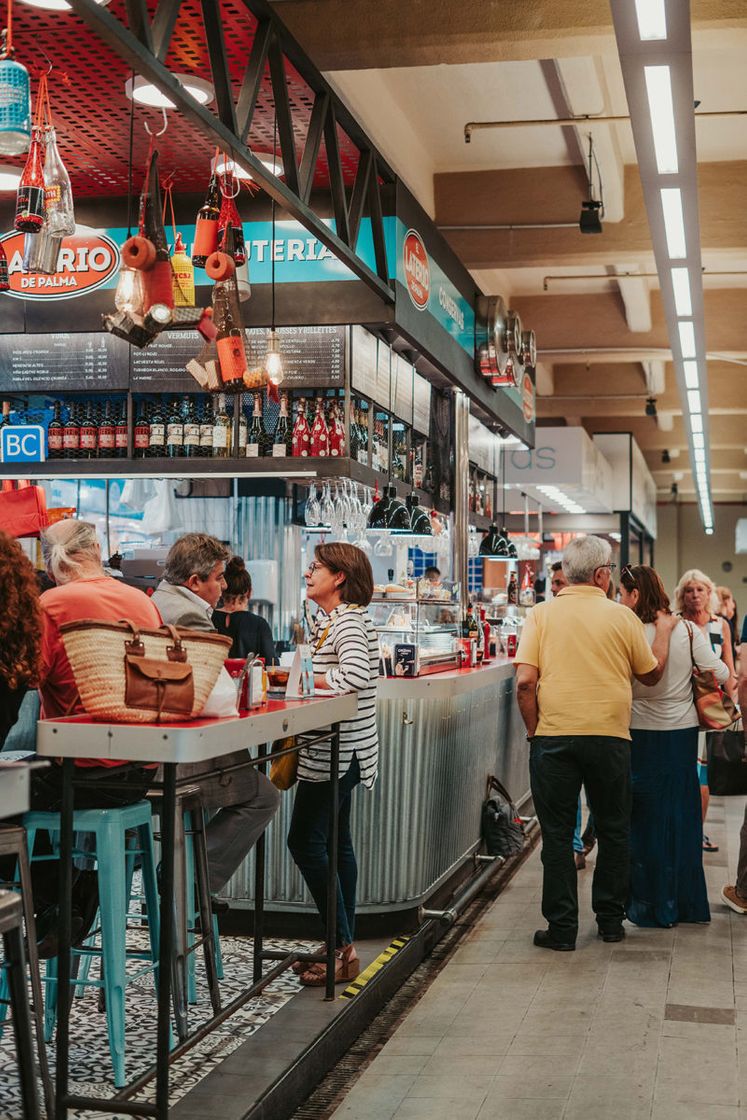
{"x": 133, "y": 645}
{"x": 175, "y": 652}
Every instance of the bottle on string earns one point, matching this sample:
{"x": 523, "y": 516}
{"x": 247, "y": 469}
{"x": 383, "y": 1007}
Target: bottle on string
{"x": 206, "y": 225}
{"x": 183, "y": 275}
{"x": 30, "y": 195}
{"x": 230, "y": 229}
{"x": 58, "y": 194}
{"x": 4, "y": 273}
{"x": 229, "y": 337}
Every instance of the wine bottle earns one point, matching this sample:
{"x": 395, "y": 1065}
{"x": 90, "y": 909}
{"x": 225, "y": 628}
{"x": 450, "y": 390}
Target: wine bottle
{"x": 206, "y": 226}
{"x": 4, "y": 273}
{"x": 206, "y": 429}
{"x": 89, "y": 434}
{"x": 243, "y": 431}
{"x": 141, "y": 435}
{"x": 256, "y": 443}
{"x": 191, "y": 428}
{"x": 30, "y": 194}
{"x": 222, "y": 430}
{"x": 157, "y": 436}
{"x": 282, "y": 440}
{"x": 105, "y": 434}
{"x": 71, "y": 433}
{"x": 58, "y": 194}
{"x": 336, "y": 432}
{"x": 229, "y": 338}
{"x": 121, "y": 432}
{"x": 55, "y": 449}
{"x": 319, "y": 431}
{"x": 301, "y": 432}
{"x": 174, "y": 431}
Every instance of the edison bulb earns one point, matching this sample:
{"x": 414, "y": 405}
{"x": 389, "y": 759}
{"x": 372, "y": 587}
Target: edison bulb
{"x": 129, "y": 294}
{"x": 273, "y": 361}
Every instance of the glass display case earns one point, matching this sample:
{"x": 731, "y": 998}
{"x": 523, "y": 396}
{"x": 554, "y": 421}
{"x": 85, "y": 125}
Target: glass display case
{"x": 419, "y": 627}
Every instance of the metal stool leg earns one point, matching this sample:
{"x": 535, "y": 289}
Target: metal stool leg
{"x": 199, "y": 848}
{"x": 16, "y": 961}
{"x": 179, "y": 959}
{"x": 24, "y": 874}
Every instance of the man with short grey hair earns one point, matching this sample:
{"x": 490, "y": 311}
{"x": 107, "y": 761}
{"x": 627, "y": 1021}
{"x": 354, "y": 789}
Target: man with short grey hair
{"x": 245, "y": 799}
{"x": 574, "y": 665}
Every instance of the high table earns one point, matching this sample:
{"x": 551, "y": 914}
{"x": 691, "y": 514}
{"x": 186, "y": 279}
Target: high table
{"x": 170, "y": 744}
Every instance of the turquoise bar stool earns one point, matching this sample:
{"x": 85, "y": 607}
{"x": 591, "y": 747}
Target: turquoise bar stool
{"x": 114, "y": 864}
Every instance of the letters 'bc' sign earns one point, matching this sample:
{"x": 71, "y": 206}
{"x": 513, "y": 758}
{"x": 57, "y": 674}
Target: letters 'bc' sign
{"x": 22, "y": 443}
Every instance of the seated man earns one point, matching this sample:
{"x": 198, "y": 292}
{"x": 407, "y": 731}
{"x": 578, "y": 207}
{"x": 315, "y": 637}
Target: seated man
{"x": 246, "y": 800}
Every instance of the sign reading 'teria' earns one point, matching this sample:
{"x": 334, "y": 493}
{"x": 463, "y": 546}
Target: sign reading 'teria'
{"x": 85, "y": 262}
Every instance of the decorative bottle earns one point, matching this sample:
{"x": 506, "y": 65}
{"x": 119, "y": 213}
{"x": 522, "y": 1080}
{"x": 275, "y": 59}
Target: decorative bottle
{"x": 301, "y": 432}
{"x": 58, "y": 194}
{"x": 30, "y": 195}
{"x": 206, "y": 226}
{"x": 336, "y": 433}
{"x": 319, "y": 431}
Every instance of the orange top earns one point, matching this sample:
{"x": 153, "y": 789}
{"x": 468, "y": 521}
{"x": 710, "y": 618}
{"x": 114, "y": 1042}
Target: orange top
{"x": 103, "y": 598}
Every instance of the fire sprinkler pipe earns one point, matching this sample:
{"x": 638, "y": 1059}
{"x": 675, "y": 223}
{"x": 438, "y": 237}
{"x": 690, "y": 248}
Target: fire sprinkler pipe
{"x": 474, "y": 126}
{"x": 515, "y": 225}
{"x": 626, "y": 276}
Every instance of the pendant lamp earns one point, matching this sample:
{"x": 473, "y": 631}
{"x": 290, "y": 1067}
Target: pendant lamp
{"x": 494, "y": 543}
{"x": 15, "y": 97}
{"x": 389, "y": 513}
{"x": 420, "y": 522}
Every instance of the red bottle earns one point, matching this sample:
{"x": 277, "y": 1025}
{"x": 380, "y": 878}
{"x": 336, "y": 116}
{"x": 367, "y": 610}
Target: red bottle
{"x": 229, "y": 220}
{"x": 30, "y": 196}
{"x": 336, "y": 433}
{"x": 301, "y": 432}
{"x": 4, "y": 275}
{"x": 319, "y": 431}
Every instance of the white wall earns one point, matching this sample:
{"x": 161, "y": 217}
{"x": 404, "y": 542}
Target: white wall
{"x": 682, "y": 544}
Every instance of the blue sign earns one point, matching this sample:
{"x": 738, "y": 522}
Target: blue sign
{"x": 22, "y": 443}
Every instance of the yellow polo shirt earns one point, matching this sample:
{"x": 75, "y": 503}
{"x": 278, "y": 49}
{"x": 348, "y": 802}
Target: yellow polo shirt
{"x": 586, "y": 649}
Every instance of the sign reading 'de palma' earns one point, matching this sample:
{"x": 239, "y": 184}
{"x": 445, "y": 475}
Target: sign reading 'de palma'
{"x": 86, "y": 261}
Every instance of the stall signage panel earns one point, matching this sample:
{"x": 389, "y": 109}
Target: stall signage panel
{"x": 430, "y": 289}
{"x": 22, "y": 443}
{"x": 88, "y": 260}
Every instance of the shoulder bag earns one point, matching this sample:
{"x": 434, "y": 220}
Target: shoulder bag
{"x": 716, "y": 709}
{"x": 284, "y": 770}
{"x": 502, "y": 830}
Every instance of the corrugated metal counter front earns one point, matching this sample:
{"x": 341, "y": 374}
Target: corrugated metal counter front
{"x": 440, "y": 736}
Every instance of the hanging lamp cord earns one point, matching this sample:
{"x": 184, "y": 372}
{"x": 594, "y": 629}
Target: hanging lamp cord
{"x": 7, "y": 35}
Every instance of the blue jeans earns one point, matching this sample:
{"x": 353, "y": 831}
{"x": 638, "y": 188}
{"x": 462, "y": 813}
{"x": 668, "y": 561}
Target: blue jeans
{"x": 308, "y": 841}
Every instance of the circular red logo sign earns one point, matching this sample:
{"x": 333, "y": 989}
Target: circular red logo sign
{"x": 527, "y": 394}
{"x": 417, "y": 269}
{"x": 85, "y": 262}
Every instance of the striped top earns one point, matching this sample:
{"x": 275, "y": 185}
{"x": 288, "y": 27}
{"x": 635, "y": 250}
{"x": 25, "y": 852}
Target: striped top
{"x": 349, "y": 658}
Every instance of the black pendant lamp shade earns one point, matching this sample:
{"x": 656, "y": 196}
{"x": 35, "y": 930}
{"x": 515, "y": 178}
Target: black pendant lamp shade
{"x": 510, "y": 546}
{"x": 493, "y": 543}
{"x": 389, "y": 513}
{"x": 420, "y": 522}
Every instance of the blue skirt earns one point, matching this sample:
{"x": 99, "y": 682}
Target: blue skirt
{"x": 666, "y": 834}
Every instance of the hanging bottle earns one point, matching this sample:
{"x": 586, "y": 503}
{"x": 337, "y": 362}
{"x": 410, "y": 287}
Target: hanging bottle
{"x": 206, "y": 226}
{"x": 4, "y": 273}
{"x": 229, "y": 338}
{"x": 183, "y": 275}
{"x": 58, "y": 194}
{"x": 30, "y": 195}
{"x": 336, "y": 432}
{"x": 229, "y": 220}
{"x": 319, "y": 431}
{"x": 301, "y": 432}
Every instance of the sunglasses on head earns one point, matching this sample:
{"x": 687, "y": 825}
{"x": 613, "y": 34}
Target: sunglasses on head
{"x": 627, "y": 573}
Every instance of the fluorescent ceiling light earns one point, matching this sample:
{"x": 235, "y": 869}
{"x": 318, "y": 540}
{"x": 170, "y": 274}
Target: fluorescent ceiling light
{"x": 221, "y": 166}
{"x": 10, "y": 177}
{"x": 698, "y": 439}
{"x": 681, "y": 286}
{"x": 661, "y": 111}
{"x": 674, "y": 222}
{"x": 699, "y": 454}
{"x": 691, "y": 375}
{"x": 709, "y": 529}
{"x": 687, "y": 339}
{"x": 696, "y": 422}
{"x": 55, "y": 5}
{"x": 147, "y": 94}
{"x": 693, "y": 400}
{"x": 652, "y": 19}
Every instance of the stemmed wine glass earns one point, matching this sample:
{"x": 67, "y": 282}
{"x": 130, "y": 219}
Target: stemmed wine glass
{"x": 327, "y": 511}
{"x": 311, "y": 510}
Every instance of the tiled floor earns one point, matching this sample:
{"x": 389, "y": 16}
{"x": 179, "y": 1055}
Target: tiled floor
{"x": 654, "y": 1028}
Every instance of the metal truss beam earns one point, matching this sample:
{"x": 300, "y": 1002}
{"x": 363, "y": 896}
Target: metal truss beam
{"x": 144, "y": 47}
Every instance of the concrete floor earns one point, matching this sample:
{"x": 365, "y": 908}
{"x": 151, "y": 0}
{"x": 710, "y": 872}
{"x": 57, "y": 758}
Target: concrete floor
{"x": 654, "y": 1028}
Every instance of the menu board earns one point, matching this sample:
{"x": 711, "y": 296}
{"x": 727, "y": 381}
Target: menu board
{"x": 161, "y": 367}
{"x": 47, "y": 363}
{"x": 389, "y": 380}
{"x": 313, "y": 357}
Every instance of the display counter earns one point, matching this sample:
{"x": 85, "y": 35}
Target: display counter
{"x": 441, "y": 736}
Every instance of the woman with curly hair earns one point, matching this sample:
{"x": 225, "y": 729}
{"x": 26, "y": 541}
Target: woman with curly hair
{"x": 20, "y": 630}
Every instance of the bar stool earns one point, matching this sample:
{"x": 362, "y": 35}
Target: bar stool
{"x": 110, "y": 826}
{"x": 13, "y": 843}
{"x": 11, "y": 926}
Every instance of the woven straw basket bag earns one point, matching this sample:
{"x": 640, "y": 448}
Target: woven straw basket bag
{"x": 119, "y": 669}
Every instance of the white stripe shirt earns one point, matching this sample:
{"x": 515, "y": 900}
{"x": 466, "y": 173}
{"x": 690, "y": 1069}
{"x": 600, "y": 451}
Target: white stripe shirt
{"x": 349, "y": 659}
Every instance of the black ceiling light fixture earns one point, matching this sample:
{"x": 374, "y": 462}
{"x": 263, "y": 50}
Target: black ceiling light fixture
{"x": 651, "y": 407}
{"x": 666, "y": 457}
{"x": 592, "y": 210}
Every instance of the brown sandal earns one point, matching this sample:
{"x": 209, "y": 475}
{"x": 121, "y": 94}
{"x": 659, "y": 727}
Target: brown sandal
{"x": 347, "y": 967}
{"x": 309, "y": 966}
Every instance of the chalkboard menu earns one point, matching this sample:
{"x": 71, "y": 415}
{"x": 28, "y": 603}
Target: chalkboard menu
{"x": 313, "y": 357}
{"x": 161, "y": 366}
{"x": 48, "y": 363}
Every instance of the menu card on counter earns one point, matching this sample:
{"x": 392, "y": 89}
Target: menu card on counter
{"x": 48, "y": 363}
{"x": 313, "y": 357}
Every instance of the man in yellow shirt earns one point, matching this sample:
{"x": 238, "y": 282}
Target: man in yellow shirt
{"x": 574, "y": 666}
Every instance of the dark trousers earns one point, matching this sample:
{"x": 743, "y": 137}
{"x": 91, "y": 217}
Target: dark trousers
{"x": 308, "y": 841}
{"x": 558, "y": 766}
{"x": 742, "y": 865}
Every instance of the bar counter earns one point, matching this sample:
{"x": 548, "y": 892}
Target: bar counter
{"x": 441, "y": 736}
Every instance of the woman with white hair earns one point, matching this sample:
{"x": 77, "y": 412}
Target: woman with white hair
{"x": 696, "y": 601}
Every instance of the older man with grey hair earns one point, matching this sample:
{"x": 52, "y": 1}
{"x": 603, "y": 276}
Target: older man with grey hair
{"x": 245, "y": 799}
{"x": 574, "y": 667}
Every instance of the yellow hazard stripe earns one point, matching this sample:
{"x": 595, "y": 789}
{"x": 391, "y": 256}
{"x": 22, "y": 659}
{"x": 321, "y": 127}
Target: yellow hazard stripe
{"x": 375, "y": 966}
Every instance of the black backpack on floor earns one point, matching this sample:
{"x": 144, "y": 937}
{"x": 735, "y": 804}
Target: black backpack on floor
{"x": 502, "y": 830}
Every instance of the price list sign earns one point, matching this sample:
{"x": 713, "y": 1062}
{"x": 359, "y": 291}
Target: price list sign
{"x": 48, "y": 363}
{"x": 162, "y": 366}
{"x": 313, "y": 357}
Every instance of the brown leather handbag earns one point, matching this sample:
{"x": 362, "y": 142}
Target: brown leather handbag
{"x": 716, "y": 709}
{"x": 156, "y": 685}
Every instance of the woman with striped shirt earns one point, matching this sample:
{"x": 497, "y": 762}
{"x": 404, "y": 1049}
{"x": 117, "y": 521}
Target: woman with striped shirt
{"x": 346, "y": 658}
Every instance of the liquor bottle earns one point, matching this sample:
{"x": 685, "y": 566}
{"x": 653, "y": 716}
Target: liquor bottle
{"x": 121, "y": 432}
{"x": 55, "y": 448}
{"x": 336, "y": 432}
{"x": 157, "y": 438}
{"x": 30, "y": 195}
{"x": 301, "y": 432}
{"x": 71, "y": 433}
{"x": 231, "y": 231}
{"x": 355, "y": 435}
{"x": 105, "y": 435}
{"x": 319, "y": 431}
{"x": 4, "y": 273}
{"x": 141, "y": 435}
{"x": 256, "y": 444}
{"x": 58, "y": 195}
{"x": 174, "y": 431}
{"x": 206, "y": 429}
{"x": 191, "y": 428}
{"x": 282, "y": 440}
{"x": 243, "y": 432}
{"x": 182, "y": 275}
{"x": 222, "y": 430}
{"x": 512, "y": 592}
{"x": 487, "y": 651}
{"x": 89, "y": 434}
{"x": 206, "y": 226}
{"x": 229, "y": 338}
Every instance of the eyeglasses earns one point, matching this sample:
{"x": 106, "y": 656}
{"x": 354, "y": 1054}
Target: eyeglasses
{"x": 610, "y": 566}
{"x": 313, "y": 567}
{"x": 627, "y": 573}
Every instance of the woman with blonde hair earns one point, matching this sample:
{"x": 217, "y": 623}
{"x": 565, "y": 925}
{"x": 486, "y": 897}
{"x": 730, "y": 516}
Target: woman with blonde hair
{"x": 696, "y": 601}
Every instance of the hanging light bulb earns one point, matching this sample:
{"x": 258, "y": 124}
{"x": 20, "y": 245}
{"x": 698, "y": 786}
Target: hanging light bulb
{"x": 129, "y": 294}
{"x": 273, "y": 360}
